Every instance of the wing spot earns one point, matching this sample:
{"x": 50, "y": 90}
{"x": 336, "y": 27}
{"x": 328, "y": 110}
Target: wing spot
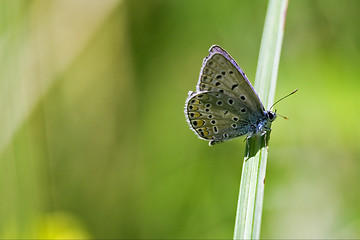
{"x": 243, "y": 110}
{"x": 200, "y": 122}
{"x": 226, "y": 135}
{"x": 208, "y": 105}
{"x": 205, "y": 78}
{"x": 190, "y": 107}
{"x": 242, "y": 98}
{"x": 230, "y": 101}
{"x": 235, "y": 119}
{"x": 208, "y": 71}
{"x": 226, "y": 112}
{"x": 234, "y": 125}
{"x": 231, "y": 72}
{"x": 234, "y": 86}
{"x": 219, "y": 103}
{"x": 218, "y": 76}
{"x": 223, "y": 72}
{"x": 193, "y": 115}
{"x": 217, "y": 84}
{"x": 221, "y": 90}
{"x": 215, "y": 129}
{"x": 207, "y": 110}
{"x": 213, "y": 122}
{"x": 210, "y": 116}
{"x": 192, "y": 101}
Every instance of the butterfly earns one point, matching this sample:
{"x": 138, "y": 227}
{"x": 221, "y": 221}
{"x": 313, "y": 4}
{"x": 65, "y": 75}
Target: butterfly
{"x": 225, "y": 104}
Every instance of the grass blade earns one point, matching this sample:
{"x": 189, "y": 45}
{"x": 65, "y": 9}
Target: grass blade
{"x": 251, "y": 194}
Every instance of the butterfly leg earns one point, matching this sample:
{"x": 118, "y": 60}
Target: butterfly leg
{"x": 248, "y": 149}
{"x": 247, "y": 146}
{"x": 265, "y": 139}
{"x": 265, "y": 134}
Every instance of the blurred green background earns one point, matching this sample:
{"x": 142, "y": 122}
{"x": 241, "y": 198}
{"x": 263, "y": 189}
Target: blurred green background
{"x": 94, "y": 142}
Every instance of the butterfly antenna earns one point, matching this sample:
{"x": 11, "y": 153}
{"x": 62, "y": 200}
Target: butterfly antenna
{"x": 284, "y": 98}
{"x": 282, "y": 116}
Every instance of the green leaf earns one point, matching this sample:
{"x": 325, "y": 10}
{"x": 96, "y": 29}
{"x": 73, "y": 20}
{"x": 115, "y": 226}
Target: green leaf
{"x": 251, "y": 194}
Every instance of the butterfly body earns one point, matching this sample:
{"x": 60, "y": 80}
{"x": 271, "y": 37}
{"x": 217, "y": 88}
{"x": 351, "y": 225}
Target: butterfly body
{"x": 225, "y": 105}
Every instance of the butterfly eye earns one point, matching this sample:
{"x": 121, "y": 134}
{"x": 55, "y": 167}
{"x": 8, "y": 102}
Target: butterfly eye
{"x": 271, "y": 116}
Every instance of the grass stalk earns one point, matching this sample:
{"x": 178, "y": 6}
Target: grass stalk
{"x": 251, "y": 194}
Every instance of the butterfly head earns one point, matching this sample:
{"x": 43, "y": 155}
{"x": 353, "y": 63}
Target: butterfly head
{"x": 271, "y": 116}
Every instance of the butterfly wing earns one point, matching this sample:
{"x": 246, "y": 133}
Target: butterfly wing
{"x": 217, "y": 117}
{"x": 221, "y": 73}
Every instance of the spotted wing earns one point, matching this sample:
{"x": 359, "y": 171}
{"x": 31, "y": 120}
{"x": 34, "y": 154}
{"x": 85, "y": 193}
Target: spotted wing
{"x": 220, "y": 73}
{"x": 217, "y": 117}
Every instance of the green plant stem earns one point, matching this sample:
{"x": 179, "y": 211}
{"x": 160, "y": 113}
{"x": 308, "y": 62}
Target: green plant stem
{"x": 251, "y": 194}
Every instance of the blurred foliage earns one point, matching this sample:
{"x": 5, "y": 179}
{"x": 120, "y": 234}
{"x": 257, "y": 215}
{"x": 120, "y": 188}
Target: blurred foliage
{"x": 94, "y": 140}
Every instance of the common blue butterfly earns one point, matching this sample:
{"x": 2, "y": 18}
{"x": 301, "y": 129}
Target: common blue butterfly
{"x": 225, "y": 104}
